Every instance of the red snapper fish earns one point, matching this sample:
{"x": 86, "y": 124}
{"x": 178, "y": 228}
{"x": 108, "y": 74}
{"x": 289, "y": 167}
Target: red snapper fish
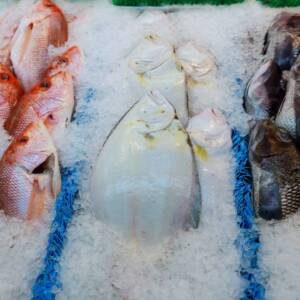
{"x": 9, "y": 23}
{"x": 29, "y": 174}
{"x": 52, "y": 101}
{"x": 46, "y": 25}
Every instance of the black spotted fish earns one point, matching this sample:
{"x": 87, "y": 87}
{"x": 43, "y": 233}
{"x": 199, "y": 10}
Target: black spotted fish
{"x": 275, "y": 164}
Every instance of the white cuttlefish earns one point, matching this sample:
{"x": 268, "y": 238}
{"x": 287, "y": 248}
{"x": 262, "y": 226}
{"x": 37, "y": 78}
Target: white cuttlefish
{"x": 211, "y": 139}
{"x": 201, "y": 71}
{"x": 143, "y": 181}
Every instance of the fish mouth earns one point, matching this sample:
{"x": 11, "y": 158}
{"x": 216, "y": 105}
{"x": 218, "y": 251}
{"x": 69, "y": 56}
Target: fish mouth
{"x": 45, "y": 166}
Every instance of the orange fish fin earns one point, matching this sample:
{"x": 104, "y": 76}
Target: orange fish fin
{"x": 39, "y": 196}
{"x": 58, "y": 28}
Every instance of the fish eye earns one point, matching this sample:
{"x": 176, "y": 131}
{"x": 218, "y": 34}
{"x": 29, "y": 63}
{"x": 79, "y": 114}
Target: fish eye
{"x": 30, "y": 26}
{"x": 24, "y": 139}
{"x": 4, "y": 76}
{"x": 45, "y": 84}
{"x": 63, "y": 60}
{"x": 51, "y": 117}
{"x": 283, "y": 136}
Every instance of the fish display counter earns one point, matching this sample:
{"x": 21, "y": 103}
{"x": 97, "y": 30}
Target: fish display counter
{"x": 149, "y": 152}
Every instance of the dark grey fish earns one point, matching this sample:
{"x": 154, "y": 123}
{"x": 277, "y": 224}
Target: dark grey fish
{"x": 282, "y": 41}
{"x": 275, "y": 164}
{"x": 289, "y": 113}
{"x": 265, "y": 91}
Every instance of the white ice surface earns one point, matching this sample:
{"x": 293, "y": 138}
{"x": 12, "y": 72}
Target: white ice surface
{"x": 198, "y": 264}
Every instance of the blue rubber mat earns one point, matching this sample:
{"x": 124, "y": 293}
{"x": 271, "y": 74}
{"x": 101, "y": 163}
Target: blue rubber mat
{"x": 247, "y": 242}
{"x": 48, "y": 281}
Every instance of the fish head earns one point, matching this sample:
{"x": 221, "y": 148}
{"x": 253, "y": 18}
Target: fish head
{"x": 154, "y": 113}
{"x": 265, "y": 91}
{"x": 285, "y": 51}
{"x": 54, "y": 100}
{"x": 196, "y": 62}
{"x": 283, "y": 40}
{"x": 71, "y": 61}
{"x": 30, "y": 173}
{"x": 267, "y": 140}
{"x": 288, "y": 21}
{"x": 150, "y": 54}
{"x": 210, "y": 131}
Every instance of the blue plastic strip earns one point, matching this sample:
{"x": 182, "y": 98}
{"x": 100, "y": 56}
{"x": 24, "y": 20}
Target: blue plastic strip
{"x": 248, "y": 239}
{"x": 48, "y": 281}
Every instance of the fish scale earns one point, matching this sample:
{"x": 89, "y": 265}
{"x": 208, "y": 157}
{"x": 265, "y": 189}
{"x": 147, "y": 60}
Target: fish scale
{"x": 275, "y": 163}
{"x": 290, "y": 198}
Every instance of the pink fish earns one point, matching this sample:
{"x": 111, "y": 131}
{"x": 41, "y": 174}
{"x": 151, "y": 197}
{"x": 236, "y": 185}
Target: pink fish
{"x": 9, "y": 23}
{"x": 70, "y": 61}
{"x": 45, "y": 26}
{"x": 52, "y": 101}
{"x": 29, "y": 174}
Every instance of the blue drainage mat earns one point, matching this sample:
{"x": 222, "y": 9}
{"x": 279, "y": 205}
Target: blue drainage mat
{"x": 48, "y": 281}
{"x": 247, "y": 241}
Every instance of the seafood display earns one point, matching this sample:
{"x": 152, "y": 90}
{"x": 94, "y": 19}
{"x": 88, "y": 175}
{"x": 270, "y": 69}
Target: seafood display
{"x": 130, "y": 162}
{"x": 126, "y": 190}
{"x": 36, "y": 105}
{"x": 272, "y": 97}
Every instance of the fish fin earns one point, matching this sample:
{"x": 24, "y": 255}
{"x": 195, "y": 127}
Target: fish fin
{"x": 266, "y": 44}
{"x": 196, "y": 200}
{"x": 38, "y": 198}
{"x": 55, "y": 171}
{"x": 269, "y": 200}
{"x": 26, "y": 42}
{"x": 297, "y": 118}
{"x": 196, "y": 208}
{"x": 59, "y": 30}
